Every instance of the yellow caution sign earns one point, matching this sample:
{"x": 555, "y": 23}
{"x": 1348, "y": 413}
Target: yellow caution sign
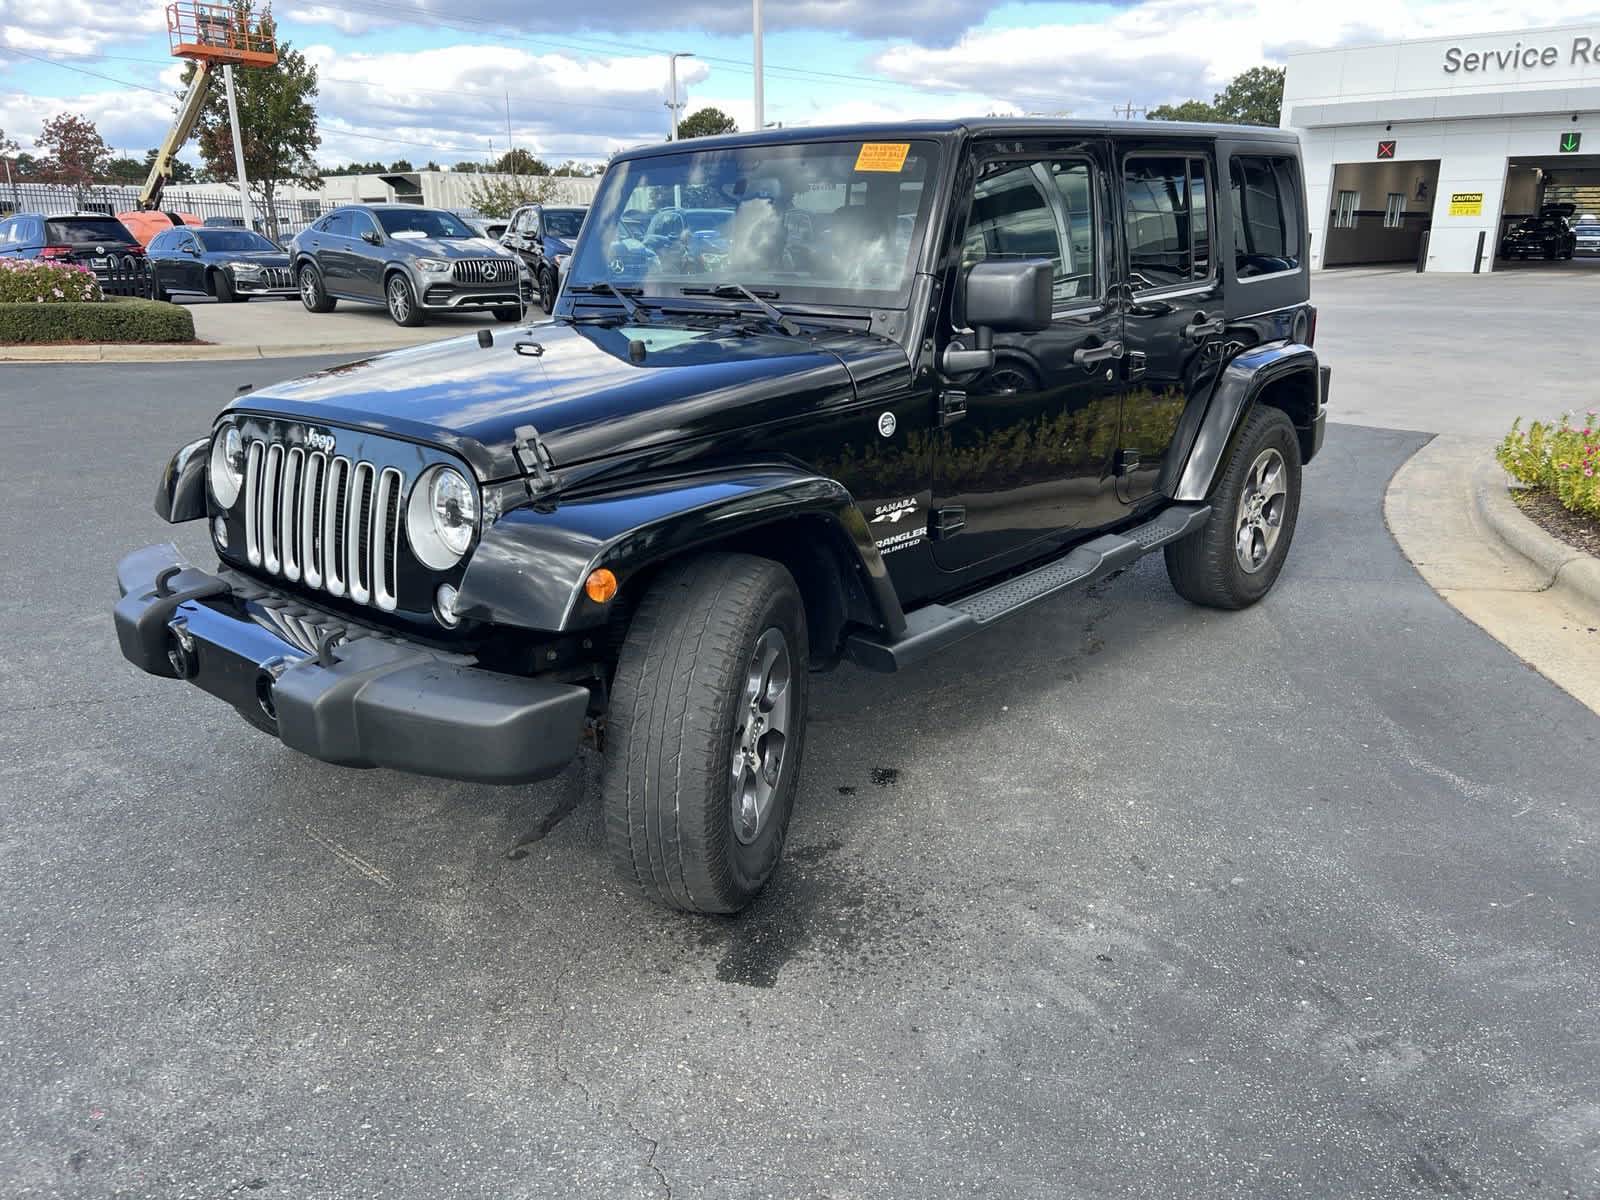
{"x": 883, "y": 156}
{"x": 1466, "y": 204}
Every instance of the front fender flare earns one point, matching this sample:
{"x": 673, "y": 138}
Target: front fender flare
{"x": 530, "y": 566}
{"x": 181, "y": 494}
{"x": 1241, "y": 381}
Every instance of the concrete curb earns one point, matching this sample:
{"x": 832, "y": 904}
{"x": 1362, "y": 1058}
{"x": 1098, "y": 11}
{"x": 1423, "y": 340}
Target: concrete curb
{"x": 180, "y": 352}
{"x": 1567, "y": 567}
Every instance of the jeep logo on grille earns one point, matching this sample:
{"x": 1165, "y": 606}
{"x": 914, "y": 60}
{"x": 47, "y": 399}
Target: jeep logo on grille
{"x": 320, "y": 441}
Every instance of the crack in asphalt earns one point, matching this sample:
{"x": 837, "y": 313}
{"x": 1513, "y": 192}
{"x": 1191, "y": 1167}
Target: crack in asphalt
{"x": 577, "y": 1081}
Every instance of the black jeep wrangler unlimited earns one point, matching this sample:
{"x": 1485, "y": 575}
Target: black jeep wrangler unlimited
{"x": 883, "y": 387}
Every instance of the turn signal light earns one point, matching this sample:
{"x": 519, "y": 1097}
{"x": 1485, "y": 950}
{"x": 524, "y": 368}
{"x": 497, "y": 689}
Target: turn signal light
{"x": 600, "y": 586}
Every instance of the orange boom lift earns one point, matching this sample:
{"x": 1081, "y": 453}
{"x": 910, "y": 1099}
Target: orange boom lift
{"x": 210, "y": 35}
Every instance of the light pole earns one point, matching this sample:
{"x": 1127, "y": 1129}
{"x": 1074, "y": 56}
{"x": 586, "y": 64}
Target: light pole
{"x": 672, "y": 89}
{"x": 761, "y": 122}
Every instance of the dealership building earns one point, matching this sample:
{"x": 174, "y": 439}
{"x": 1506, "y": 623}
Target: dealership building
{"x": 1427, "y": 151}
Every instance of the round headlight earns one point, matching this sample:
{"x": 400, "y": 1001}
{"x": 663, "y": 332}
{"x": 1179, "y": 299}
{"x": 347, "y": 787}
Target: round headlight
{"x": 441, "y": 518}
{"x": 227, "y": 466}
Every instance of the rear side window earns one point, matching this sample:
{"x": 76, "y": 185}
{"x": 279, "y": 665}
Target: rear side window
{"x": 1167, "y": 213}
{"x": 1266, "y": 216}
{"x": 88, "y": 229}
{"x": 339, "y": 225}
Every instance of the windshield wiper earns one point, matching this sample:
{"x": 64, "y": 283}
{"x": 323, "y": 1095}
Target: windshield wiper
{"x": 731, "y": 290}
{"x": 625, "y": 296}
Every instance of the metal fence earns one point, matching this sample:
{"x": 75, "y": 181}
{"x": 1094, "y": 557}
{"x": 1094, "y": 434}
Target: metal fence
{"x": 287, "y": 218}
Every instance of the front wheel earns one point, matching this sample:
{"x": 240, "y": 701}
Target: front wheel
{"x": 1235, "y": 557}
{"x": 401, "y": 298}
{"x": 507, "y": 314}
{"x": 222, "y": 287}
{"x": 312, "y": 294}
{"x": 704, "y": 734}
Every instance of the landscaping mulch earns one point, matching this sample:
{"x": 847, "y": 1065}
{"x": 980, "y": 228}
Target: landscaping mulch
{"x": 1579, "y": 531}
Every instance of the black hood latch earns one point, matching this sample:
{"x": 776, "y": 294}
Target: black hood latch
{"x": 534, "y": 459}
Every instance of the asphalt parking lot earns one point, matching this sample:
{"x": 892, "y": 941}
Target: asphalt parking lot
{"x": 1130, "y": 899}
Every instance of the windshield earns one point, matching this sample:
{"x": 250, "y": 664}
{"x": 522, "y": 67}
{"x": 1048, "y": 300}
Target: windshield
{"x": 422, "y": 222}
{"x": 232, "y": 240}
{"x": 832, "y": 222}
{"x": 563, "y": 222}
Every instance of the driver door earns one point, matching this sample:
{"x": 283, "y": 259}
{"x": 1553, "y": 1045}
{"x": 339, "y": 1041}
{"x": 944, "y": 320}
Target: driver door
{"x": 1032, "y": 455}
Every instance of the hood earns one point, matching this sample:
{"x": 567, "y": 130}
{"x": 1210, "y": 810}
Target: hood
{"x": 555, "y": 245}
{"x": 476, "y": 247}
{"x": 267, "y": 258}
{"x": 587, "y": 393}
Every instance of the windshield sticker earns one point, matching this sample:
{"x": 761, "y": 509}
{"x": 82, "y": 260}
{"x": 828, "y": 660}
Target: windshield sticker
{"x": 883, "y": 156}
{"x": 408, "y": 235}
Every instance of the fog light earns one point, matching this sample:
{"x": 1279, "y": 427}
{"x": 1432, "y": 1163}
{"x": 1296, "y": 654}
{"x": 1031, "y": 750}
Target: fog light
{"x": 444, "y": 605}
{"x": 219, "y": 530}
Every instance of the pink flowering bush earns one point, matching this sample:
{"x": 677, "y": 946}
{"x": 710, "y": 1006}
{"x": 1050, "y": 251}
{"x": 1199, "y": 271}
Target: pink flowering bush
{"x": 1563, "y": 459}
{"x": 33, "y": 281}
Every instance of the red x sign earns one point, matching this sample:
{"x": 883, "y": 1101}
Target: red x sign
{"x": 1385, "y": 149}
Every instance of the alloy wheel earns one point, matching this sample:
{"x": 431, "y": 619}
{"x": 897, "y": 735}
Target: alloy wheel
{"x": 760, "y": 739}
{"x": 308, "y": 287}
{"x": 399, "y": 299}
{"x": 1262, "y": 504}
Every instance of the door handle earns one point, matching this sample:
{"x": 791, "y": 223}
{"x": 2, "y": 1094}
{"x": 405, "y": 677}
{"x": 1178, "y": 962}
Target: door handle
{"x": 1200, "y": 329}
{"x": 1087, "y": 356}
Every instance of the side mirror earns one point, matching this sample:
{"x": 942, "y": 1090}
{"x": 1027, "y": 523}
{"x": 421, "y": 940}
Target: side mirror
{"x": 1001, "y": 297}
{"x": 371, "y": 238}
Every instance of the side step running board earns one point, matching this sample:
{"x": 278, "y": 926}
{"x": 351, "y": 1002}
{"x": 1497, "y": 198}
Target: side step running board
{"x": 935, "y": 626}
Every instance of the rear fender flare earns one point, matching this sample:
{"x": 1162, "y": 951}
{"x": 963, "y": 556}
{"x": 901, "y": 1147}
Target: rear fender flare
{"x": 530, "y": 566}
{"x": 1240, "y": 385}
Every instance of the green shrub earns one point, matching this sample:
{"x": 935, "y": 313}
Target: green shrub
{"x": 1562, "y": 459}
{"x": 104, "y": 321}
{"x": 31, "y": 281}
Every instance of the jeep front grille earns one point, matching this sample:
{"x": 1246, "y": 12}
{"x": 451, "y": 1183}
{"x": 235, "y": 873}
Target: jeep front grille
{"x": 333, "y": 523}
{"x": 484, "y": 270}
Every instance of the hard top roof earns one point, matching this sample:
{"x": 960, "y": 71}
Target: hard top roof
{"x": 949, "y": 129}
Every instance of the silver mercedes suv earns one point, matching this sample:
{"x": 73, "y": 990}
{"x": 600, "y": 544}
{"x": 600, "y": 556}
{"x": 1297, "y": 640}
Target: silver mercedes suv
{"x": 412, "y": 260}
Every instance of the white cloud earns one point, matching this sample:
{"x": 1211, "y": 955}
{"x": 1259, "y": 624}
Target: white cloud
{"x": 1166, "y": 50}
{"x": 42, "y": 28}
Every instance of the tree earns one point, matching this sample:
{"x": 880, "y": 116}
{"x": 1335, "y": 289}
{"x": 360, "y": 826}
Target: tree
{"x": 6, "y": 144}
{"x": 277, "y": 120}
{"x": 520, "y": 162}
{"x": 1254, "y": 97}
{"x": 74, "y": 152}
{"x": 178, "y": 171}
{"x": 401, "y": 164}
{"x": 705, "y": 122}
{"x": 498, "y": 197}
{"x": 125, "y": 170}
{"x": 466, "y": 167}
{"x": 573, "y": 169}
{"x": 432, "y": 166}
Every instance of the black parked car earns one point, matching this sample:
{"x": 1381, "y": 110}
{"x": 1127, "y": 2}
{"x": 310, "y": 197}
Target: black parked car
{"x": 939, "y": 373}
{"x": 230, "y": 264}
{"x": 1546, "y": 236}
{"x": 412, "y": 260}
{"x": 88, "y": 239}
{"x": 544, "y": 234}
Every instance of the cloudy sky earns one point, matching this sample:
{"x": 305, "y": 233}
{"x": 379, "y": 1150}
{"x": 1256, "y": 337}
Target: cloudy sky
{"x": 423, "y": 79}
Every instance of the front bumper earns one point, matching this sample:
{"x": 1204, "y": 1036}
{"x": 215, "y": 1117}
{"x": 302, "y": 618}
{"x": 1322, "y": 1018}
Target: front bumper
{"x": 450, "y": 293}
{"x": 362, "y": 699}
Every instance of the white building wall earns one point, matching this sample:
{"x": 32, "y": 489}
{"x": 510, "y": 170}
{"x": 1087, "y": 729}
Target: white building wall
{"x": 1343, "y": 102}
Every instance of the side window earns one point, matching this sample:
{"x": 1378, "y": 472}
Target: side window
{"x": 160, "y": 243}
{"x": 1166, "y": 211}
{"x": 1042, "y": 209}
{"x": 1266, "y": 215}
{"x": 360, "y": 223}
{"x": 338, "y": 225}
{"x": 5, "y": 232}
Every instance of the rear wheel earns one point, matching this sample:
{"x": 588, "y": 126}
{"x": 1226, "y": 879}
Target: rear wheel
{"x": 548, "y": 289}
{"x": 705, "y": 731}
{"x": 1235, "y": 558}
{"x": 312, "y": 294}
{"x": 401, "y": 298}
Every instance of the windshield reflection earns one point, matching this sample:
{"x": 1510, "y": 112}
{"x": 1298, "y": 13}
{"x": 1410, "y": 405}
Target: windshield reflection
{"x": 834, "y": 222}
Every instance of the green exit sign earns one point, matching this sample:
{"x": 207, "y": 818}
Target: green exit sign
{"x": 1570, "y": 142}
